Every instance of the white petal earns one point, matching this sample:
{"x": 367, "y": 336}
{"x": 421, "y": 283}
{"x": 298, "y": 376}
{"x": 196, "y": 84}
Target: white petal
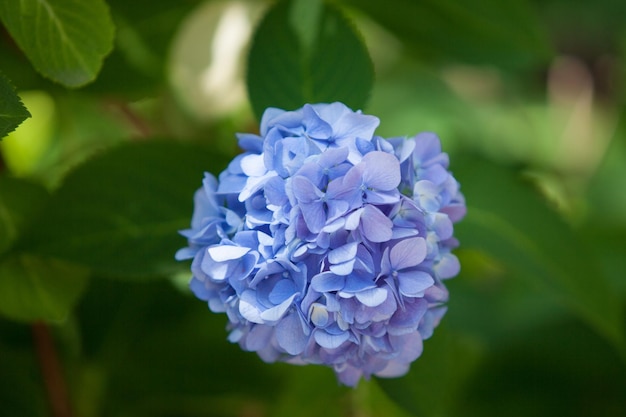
{"x": 253, "y": 165}
{"x": 248, "y": 308}
{"x": 225, "y": 253}
{"x": 372, "y": 297}
{"x": 330, "y": 341}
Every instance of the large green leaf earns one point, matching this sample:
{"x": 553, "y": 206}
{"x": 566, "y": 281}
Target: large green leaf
{"x": 144, "y": 33}
{"x": 484, "y": 32}
{"x": 65, "y": 40}
{"x": 437, "y": 378}
{"x": 508, "y": 220}
{"x": 200, "y": 373}
{"x": 33, "y": 288}
{"x": 21, "y": 394}
{"x": 12, "y": 111}
{"x": 20, "y": 201}
{"x": 119, "y": 213}
{"x": 307, "y": 54}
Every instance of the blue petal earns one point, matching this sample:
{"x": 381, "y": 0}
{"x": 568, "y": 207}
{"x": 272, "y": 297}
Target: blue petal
{"x": 343, "y": 253}
{"x": 198, "y": 288}
{"x": 282, "y": 290}
{"x": 356, "y": 283}
{"x": 290, "y": 334}
{"x": 269, "y": 117}
{"x": 185, "y": 253}
{"x": 372, "y": 297}
{"x": 274, "y": 314}
{"x": 304, "y": 190}
{"x": 327, "y": 281}
{"x": 343, "y": 268}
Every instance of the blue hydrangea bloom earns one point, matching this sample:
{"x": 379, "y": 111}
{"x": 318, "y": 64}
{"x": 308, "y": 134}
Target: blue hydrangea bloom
{"x": 326, "y": 244}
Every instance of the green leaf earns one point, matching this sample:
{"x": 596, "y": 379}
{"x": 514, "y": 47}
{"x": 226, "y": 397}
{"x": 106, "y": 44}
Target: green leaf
{"x": 481, "y": 32}
{"x": 437, "y": 378}
{"x": 152, "y": 322}
{"x": 12, "y": 111}
{"x": 508, "y": 220}
{"x": 563, "y": 365}
{"x": 21, "y": 393}
{"x": 65, "y": 40}
{"x": 144, "y": 33}
{"x": 120, "y": 212}
{"x": 307, "y": 55}
{"x": 20, "y": 202}
{"x": 33, "y": 288}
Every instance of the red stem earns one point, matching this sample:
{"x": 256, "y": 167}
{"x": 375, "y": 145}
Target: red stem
{"x": 51, "y": 371}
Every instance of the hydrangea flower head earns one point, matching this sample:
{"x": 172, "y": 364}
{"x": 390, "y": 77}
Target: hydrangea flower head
{"x": 326, "y": 244}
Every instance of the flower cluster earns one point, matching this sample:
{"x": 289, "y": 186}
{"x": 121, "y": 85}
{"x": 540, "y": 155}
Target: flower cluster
{"x": 326, "y": 244}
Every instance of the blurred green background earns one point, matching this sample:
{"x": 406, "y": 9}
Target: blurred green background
{"x": 527, "y": 96}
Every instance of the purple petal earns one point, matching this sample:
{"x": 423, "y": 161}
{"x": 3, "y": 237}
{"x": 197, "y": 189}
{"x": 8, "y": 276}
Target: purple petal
{"x": 448, "y": 266}
{"x": 408, "y": 253}
{"x": 427, "y": 195}
{"x": 332, "y": 157}
{"x": 314, "y": 216}
{"x": 258, "y": 337}
{"x": 382, "y": 171}
{"x": 410, "y": 346}
{"x": 376, "y": 226}
{"x": 410, "y": 316}
{"x": 304, "y": 190}
{"x": 414, "y": 283}
{"x": 330, "y": 341}
{"x": 394, "y": 369}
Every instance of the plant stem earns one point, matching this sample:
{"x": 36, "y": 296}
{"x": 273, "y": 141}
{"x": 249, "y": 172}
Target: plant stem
{"x": 51, "y": 371}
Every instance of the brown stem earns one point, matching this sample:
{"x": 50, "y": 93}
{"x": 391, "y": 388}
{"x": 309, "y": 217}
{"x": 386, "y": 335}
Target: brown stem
{"x": 132, "y": 119}
{"x": 51, "y": 371}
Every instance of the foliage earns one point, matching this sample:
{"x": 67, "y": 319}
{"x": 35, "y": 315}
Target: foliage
{"x": 527, "y": 97}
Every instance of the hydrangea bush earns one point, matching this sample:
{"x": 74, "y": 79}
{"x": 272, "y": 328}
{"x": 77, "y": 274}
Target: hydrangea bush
{"x": 326, "y": 244}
